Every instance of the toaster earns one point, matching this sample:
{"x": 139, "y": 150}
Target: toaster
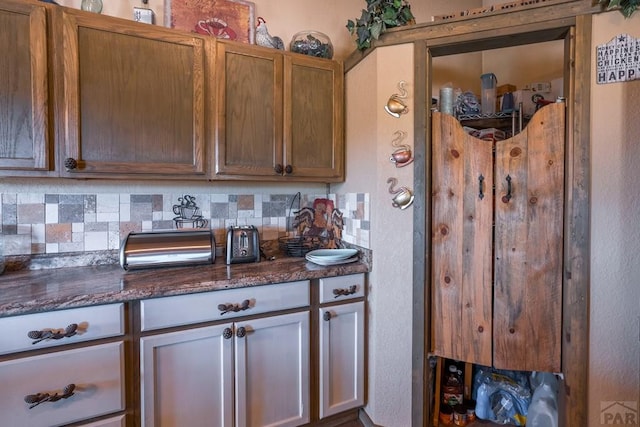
{"x": 243, "y": 244}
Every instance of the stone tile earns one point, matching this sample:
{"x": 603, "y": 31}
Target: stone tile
{"x": 58, "y": 233}
{"x": 32, "y": 213}
{"x": 140, "y": 198}
{"x": 96, "y": 226}
{"x": 219, "y": 210}
{"x": 245, "y": 202}
{"x": 52, "y": 198}
{"x": 157, "y": 202}
{"x": 72, "y": 199}
{"x": 51, "y": 213}
{"x": 96, "y": 240}
{"x": 90, "y": 203}
{"x": 9, "y": 213}
{"x": 71, "y": 212}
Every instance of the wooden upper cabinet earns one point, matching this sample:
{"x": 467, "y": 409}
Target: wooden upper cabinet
{"x": 134, "y": 99}
{"x": 497, "y": 244}
{"x": 249, "y": 101}
{"x": 314, "y": 140}
{"x": 24, "y": 100}
{"x": 280, "y": 115}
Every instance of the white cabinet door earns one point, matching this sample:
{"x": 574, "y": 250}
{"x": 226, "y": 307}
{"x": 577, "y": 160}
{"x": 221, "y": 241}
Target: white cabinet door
{"x": 341, "y": 358}
{"x": 272, "y": 371}
{"x": 187, "y": 378}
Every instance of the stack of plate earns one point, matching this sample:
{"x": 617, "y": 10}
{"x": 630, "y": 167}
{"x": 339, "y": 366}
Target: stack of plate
{"x": 332, "y": 256}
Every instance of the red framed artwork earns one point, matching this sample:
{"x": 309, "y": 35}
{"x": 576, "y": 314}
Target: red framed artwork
{"x": 226, "y": 19}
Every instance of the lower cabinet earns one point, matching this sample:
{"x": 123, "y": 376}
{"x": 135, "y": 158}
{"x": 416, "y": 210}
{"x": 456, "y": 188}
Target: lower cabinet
{"x": 189, "y": 377}
{"x": 245, "y": 361}
{"x": 341, "y": 344}
{"x": 341, "y": 358}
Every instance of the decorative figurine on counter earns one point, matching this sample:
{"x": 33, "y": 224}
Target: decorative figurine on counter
{"x": 402, "y": 156}
{"x": 403, "y": 196}
{"x": 189, "y": 215}
{"x": 263, "y": 38}
{"x": 322, "y": 221}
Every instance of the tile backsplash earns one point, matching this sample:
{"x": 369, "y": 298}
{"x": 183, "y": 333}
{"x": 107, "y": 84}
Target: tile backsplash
{"x": 42, "y": 223}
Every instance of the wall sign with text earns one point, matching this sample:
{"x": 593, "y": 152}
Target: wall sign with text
{"x": 618, "y": 60}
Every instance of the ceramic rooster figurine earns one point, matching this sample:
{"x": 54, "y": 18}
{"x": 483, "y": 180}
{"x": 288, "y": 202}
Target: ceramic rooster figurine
{"x": 263, "y": 38}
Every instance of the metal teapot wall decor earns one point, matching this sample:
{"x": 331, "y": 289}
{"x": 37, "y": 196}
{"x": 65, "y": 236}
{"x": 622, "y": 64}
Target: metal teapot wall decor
{"x": 189, "y": 214}
{"x": 395, "y": 106}
{"x": 403, "y": 196}
{"x": 402, "y": 155}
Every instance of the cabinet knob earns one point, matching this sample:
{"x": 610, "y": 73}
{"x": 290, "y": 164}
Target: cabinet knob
{"x": 34, "y": 400}
{"x": 326, "y": 316}
{"x": 227, "y": 333}
{"x": 70, "y": 164}
{"x": 241, "y": 332}
{"x": 53, "y": 334}
{"x": 288, "y": 169}
{"x": 278, "y": 168}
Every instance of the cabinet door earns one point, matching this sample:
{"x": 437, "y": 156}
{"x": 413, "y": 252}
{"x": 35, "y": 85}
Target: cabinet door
{"x": 314, "y": 140}
{"x": 272, "y": 371}
{"x": 249, "y": 103}
{"x": 341, "y": 358}
{"x": 97, "y": 372}
{"x": 529, "y": 243}
{"x": 24, "y": 100}
{"x": 134, "y": 99}
{"x": 187, "y": 377}
{"x": 461, "y": 236}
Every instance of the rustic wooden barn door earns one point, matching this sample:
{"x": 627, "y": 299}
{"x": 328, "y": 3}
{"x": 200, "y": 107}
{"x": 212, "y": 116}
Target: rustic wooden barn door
{"x": 462, "y": 242}
{"x": 528, "y": 245}
{"x": 497, "y": 258}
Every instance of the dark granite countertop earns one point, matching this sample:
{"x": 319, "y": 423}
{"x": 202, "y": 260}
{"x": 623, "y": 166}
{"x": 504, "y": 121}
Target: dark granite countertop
{"x": 30, "y": 291}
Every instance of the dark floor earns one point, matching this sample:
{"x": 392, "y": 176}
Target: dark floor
{"x": 355, "y": 423}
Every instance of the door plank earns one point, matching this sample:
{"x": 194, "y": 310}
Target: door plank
{"x": 528, "y": 251}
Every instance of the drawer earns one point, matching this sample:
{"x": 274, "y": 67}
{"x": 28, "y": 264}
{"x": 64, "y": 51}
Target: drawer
{"x": 165, "y": 312}
{"x": 341, "y": 288}
{"x": 96, "y": 371}
{"x": 94, "y": 322}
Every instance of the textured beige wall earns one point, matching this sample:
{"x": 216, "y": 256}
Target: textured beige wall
{"x": 369, "y": 132}
{"x": 614, "y": 351}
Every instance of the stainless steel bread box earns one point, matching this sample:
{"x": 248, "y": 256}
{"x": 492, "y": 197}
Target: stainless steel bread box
{"x": 167, "y": 249}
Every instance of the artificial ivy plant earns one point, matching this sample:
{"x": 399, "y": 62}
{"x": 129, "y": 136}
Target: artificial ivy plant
{"x": 377, "y": 17}
{"x": 627, "y": 7}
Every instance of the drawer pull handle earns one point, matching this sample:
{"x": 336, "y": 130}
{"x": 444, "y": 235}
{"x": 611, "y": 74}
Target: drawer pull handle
{"x": 44, "y": 335}
{"x": 342, "y": 292}
{"x": 227, "y": 308}
{"x": 35, "y": 399}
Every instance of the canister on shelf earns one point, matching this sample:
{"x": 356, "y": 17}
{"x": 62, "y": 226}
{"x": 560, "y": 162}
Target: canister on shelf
{"x": 452, "y": 387}
{"x": 460, "y": 415}
{"x": 446, "y": 100}
{"x": 446, "y": 415}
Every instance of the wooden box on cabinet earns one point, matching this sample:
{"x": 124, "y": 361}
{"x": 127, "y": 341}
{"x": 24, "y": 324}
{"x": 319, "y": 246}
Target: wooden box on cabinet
{"x": 279, "y": 115}
{"x": 497, "y": 240}
{"x": 134, "y": 99}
